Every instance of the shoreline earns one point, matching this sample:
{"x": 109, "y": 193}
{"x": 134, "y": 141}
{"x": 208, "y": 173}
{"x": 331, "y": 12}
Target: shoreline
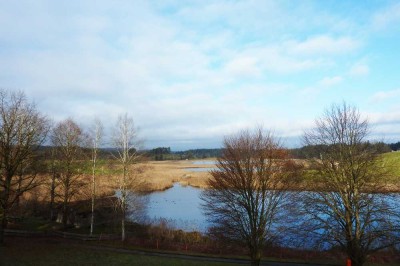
{"x": 162, "y": 175}
{"x": 159, "y": 176}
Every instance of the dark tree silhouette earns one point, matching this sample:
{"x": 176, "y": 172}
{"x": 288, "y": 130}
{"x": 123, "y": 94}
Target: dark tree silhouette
{"x": 248, "y": 189}
{"x": 68, "y": 141}
{"x": 22, "y": 130}
{"x": 342, "y": 211}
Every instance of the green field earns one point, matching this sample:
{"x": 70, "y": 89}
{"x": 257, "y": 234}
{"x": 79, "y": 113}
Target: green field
{"x": 392, "y": 161}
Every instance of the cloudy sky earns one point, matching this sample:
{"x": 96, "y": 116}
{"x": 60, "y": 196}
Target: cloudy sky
{"x": 190, "y": 72}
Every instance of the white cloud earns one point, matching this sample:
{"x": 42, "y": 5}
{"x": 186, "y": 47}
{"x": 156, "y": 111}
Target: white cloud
{"x": 243, "y": 67}
{"x": 385, "y": 125}
{"x": 323, "y": 45}
{"x": 381, "y": 96}
{"x": 359, "y": 69}
{"x": 322, "y": 85}
{"x": 387, "y": 17}
{"x": 184, "y": 72}
{"x": 281, "y": 63}
{"x": 273, "y": 58}
{"x": 330, "y": 81}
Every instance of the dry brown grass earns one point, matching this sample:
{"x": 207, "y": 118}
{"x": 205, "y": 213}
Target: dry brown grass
{"x": 162, "y": 175}
{"x": 155, "y": 176}
{"x": 151, "y": 175}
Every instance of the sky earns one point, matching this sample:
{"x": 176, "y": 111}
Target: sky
{"x": 191, "y": 72}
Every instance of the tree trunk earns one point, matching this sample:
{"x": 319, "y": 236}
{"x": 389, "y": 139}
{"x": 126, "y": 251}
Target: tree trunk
{"x": 123, "y": 201}
{"x": 356, "y": 255}
{"x": 92, "y": 217}
{"x": 65, "y": 211}
{"x": 93, "y": 196}
{"x": 123, "y": 229}
{"x": 255, "y": 256}
{"x": 357, "y": 259}
{"x": 3, "y": 226}
{"x": 52, "y": 196}
{"x": 356, "y": 262}
{"x": 255, "y": 261}
{"x": 1, "y": 235}
{"x": 123, "y": 209}
{"x": 5, "y": 207}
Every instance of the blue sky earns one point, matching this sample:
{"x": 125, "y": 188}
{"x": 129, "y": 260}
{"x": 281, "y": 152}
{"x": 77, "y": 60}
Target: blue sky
{"x": 190, "y": 72}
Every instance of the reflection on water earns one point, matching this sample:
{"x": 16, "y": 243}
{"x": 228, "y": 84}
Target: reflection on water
{"x": 179, "y": 204}
{"x": 181, "y": 207}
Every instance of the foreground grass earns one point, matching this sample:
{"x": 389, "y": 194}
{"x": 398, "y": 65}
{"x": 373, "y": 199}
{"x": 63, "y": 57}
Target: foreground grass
{"x": 22, "y": 251}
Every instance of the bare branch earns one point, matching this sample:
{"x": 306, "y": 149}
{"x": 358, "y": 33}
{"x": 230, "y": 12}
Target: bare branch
{"x": 248, "y": 189}
{"x": 126, "y": 142}
{"x": 22, "y": 130}
{"x": 344, "y": 210}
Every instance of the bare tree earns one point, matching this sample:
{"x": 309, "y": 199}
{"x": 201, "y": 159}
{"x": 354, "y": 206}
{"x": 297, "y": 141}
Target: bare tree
{"x": 96, "y": 135}
{"x": 248, "y": 189}
{"x": 344, "y": 210}
{"x": 23, "y": 129}
{"x": 68, "y": 140}
{"x": 126, "y": 143}
{"x": 54, "y": 175}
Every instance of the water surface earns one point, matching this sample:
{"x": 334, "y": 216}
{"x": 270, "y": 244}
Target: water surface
{"x": 181, "y": 205}
{"x": 178, "y": 204}
{"x": 198, "y": 169}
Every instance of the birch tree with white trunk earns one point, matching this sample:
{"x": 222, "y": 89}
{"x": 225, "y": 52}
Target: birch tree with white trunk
{"x": 126, "y": 144}
{"x": 96, "y": 135}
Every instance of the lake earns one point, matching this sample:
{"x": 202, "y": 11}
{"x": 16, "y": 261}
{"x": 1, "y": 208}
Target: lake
{"x": 180, "y": 206}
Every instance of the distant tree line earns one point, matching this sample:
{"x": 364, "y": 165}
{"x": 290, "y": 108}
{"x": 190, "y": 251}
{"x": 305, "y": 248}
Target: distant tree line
{"x": 160, "y": 153}
{"x": 199, "y": 153}
{"x": 305, "y": 152}
{"x": 314, "y": 151}
{"x": 165, "y": 153}
{"x": 395, "y": 146}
